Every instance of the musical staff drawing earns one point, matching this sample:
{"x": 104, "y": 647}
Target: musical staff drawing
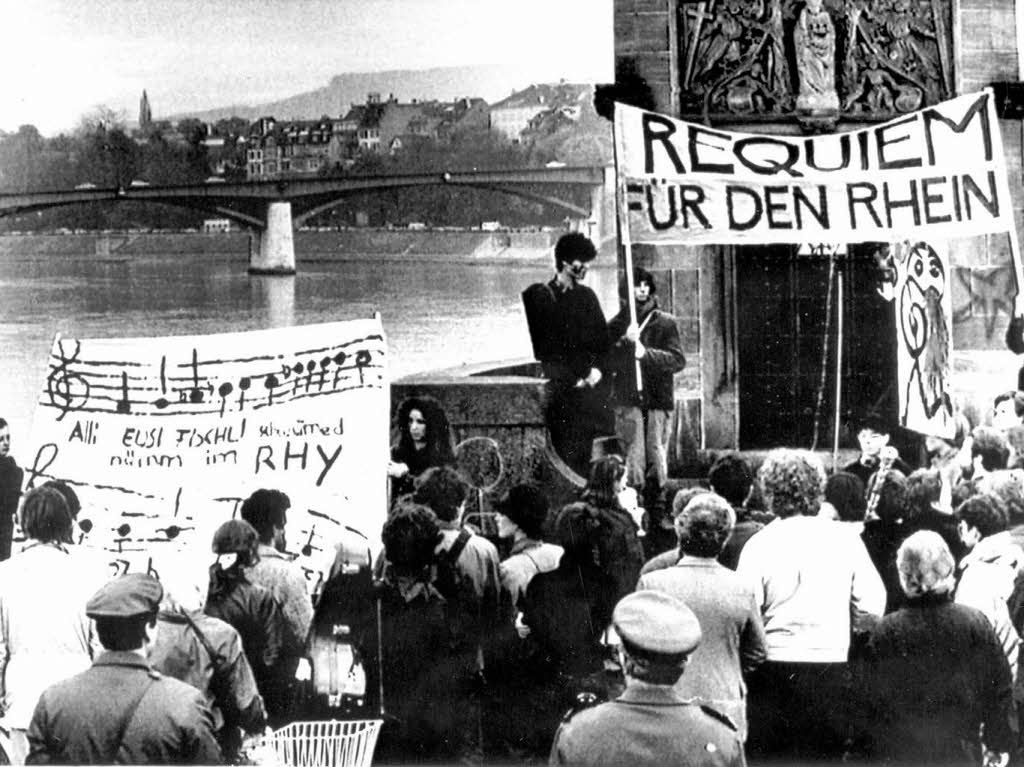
{"x": 202, "y": 385}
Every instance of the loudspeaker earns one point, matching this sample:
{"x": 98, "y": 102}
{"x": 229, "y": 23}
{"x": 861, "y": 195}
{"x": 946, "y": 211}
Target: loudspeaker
{"x": 1009, "y": 100}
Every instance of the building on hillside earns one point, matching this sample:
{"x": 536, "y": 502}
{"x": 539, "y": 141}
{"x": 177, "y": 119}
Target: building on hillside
{"x": 295, "y": 147}
{"x": 753, "y": 317}
{"x": 385, "y": 125}
{"x": 512, "y": 116}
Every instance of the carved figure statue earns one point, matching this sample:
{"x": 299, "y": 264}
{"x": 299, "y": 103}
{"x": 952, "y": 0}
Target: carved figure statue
{"x": 814, "y": 39}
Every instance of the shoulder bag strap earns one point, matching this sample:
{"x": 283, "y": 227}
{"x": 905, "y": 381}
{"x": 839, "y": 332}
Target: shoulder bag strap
{"x": 452, "y": 555}
{"x": 129, "y": 716}
{"x": 215, "y": 657}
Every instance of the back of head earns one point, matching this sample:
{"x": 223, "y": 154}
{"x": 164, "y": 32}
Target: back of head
{"x": 573, "y": 246}
{"x": 792, "y": 482}
{"x": 985, "y": 512}
{"x": 925, "y": 565}
{"x": 845, "y": 491}
{"x": 704, "y": 525}
{"x": 603, "y": 486}
{"x": 658, "y": 633}
{"x": 991, "y": 445}
{"x": 684, "y": 496}
{"x": 45, "y": 516}
{"x": 527, "y": 507}
{"x": 70, "y": 496}
{"x": 123, "y": 607}
{"x": 442, "y": 490}
{"x": 578, "y": 532}
{"x": 264, "y": 510}
{"x": 731, "y": 478}
{"x": 1015, "y": 439}
{"x": 410, "y": 536}
{"x": 1008, "y": 486}
{"x": 924, "y": 490}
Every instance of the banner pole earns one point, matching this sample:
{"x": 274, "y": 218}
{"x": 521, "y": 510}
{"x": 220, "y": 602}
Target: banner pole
{"x": 1018, "y": 270}
{"x": 839, "y": 361}
{"x": 622, "y": 217}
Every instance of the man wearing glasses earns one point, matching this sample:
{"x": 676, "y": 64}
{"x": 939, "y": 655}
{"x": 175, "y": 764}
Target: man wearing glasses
{"x": 570, "y": 338}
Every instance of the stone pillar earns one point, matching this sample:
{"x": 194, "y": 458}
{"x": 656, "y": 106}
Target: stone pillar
{"x": 272, "y": 251}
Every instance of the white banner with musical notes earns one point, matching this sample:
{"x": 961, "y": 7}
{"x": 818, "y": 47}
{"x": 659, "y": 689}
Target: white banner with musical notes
{"x": 162, "y": 438}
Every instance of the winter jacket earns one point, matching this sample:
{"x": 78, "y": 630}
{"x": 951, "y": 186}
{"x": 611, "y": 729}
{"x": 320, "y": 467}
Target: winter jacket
{"x": 985, "y": 583}
{"x": 663, "y": 358}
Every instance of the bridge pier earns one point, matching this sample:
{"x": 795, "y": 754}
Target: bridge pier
{"x": 272, "y": 250}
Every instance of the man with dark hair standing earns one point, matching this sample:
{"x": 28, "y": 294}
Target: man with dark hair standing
{"x": 267, "y": 512}
{"x": 731, "y": 478}
{"x": 569, "y": 336}
{"x": 643, "y": 418}
{"x": 11, "y": 476}
{"x": 651, "y": 723}
{"x": 121, "y": 710}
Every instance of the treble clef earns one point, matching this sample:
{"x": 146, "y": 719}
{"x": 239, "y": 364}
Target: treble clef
{"x": 67, "y": 390}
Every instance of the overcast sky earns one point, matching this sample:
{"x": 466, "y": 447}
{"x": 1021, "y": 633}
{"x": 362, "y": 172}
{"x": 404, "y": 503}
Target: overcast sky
{"x": 62, "y": 58}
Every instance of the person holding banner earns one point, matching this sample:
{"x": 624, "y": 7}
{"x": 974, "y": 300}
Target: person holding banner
{"x": 570, "y": 339}
{"x": 643, "y": 409}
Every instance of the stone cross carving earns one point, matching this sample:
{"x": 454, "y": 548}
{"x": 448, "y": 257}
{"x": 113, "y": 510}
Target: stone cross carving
{"x": 814, "y": 40}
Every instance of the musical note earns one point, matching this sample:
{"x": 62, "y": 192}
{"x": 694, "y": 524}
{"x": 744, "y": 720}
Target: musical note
{"x": 197, "y": 394}
{"x": 162, "y": 403}
{"x": 67, "y": 390}
{"x": 243, "y": 386}
{"x": 271, "y": 383}
{"x": 362, "y": 361}
{"x": 339, "y": 360}
{"x": 85, "y": 525}
{"x": 224, "y": 390}
{"x": 324, "y": 364}
{"x": 124, "y": 405}
{"x": 308, "y": 548}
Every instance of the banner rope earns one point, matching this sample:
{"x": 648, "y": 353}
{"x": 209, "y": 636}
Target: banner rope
{"x": 824, "y": 350}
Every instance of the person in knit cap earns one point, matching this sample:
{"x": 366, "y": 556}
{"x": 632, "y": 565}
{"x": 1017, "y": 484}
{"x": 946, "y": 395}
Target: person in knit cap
{"x": 252, "y": 610}
{"x": 651, "y": 723}
{"x": 523, "y": 516}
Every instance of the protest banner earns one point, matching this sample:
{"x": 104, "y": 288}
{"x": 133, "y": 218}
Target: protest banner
{"x": 162, "y": 438}
{"x": 936, "y": 172}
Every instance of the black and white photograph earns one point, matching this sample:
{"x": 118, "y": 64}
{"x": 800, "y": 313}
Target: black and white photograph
{"x": 557, "y": 382}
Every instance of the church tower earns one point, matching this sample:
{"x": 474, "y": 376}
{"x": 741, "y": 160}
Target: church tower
{"x": 145, "y": 113}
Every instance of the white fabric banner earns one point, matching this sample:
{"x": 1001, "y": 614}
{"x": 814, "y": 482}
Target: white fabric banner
{"x": 936, "y": 172}
{"x": 162, "y": 438}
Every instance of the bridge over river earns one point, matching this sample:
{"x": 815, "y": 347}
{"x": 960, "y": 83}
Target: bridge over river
{"x": 271, "y": 210}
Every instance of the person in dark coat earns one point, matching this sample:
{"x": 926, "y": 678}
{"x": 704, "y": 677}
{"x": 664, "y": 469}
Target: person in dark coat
{"x": 121, "y": 710}
{"x": 11, "y": 476}
{"x": 570, "y": 340}
{"x": 252, "y": 611}
{"x": 424, "y": 442}
{"x": 1015, "y": 335}
{"x": 883, "y": 534}
{"x": 938, "y": 673}
{"x": 873, "y": 436}
{"x": 924, "y": 500}
{"x": 644, "y": 418}
{"x": 651, "y": 723}
{"x": 423, "y": 671}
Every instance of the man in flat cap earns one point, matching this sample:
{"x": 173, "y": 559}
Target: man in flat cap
{"x": 121, "y": 710}
{"x": 650, "y": 723}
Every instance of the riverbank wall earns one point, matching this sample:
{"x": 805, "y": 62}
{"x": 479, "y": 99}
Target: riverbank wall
{"x": 493, "y": 247}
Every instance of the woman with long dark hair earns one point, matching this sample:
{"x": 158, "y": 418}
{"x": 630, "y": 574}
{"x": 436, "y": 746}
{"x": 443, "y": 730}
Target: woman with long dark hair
{"x": 424, "y": 441}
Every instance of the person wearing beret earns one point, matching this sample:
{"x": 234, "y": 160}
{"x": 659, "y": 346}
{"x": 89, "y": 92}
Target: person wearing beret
{"x": 121, "y": 710}
{"x": 522, "y": 516}
{"x": 11, "y": 476}
{"x": 651, "y": 723}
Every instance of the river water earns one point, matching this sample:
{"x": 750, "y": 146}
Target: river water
{"x": 437, "y": 313}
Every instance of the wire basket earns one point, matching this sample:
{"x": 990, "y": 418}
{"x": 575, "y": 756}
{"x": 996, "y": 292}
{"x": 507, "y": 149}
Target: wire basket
{"x": 324, "y": 744}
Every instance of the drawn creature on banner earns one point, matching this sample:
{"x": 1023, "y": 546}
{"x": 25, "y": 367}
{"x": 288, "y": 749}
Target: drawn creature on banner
{"x": 924, "y": 317}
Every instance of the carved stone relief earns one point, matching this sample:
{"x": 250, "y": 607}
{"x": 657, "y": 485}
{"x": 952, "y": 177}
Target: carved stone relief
{"x": 765, "y": 59}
